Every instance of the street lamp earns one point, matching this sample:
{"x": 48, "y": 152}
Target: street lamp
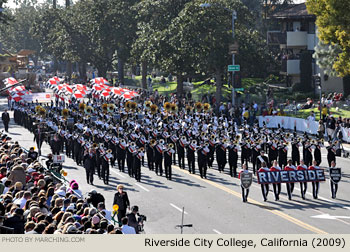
{"x": 234, "y": 17}
{"x": 319, "y": 85}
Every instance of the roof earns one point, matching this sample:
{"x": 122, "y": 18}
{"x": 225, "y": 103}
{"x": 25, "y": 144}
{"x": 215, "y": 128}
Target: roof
{"x": 294, "y": 11}
{"x": 25, "y": 52}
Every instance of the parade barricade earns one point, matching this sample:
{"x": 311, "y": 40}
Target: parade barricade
{"x": 301, "y": 125}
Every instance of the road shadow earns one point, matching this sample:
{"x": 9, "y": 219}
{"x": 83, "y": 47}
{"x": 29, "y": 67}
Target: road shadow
{"x": 153, "y": 183}
{"x": 179, "y": 179}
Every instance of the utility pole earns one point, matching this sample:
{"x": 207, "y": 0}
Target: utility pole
{"x": 182, "y": 221}
{"x": 234, "y": 17}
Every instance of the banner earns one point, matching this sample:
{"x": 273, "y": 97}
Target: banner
{"x": 291, "y": 176}
{"x": 38, "y": 97}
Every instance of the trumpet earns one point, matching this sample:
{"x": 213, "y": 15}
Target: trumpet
{"x": 142, "y": 149}
{"x": 212, "y": 137}
{"x": 109, "y": 151}
{"x": 194, "y": 142}
{"x": 161, "y": 141}
{"x": 171, "y": 146}
{"x": 133, "y": 144}
{"x": 95, "y": 146}
{"x": 202, "y": 134}
{"x": 183, "y": 138}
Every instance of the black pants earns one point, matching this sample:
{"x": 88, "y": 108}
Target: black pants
{"x": 105, "y": 174}
{"x": 181, "y": 158}
{"x": 6, "y": 126}
{"x": 265, "y": 190}
{"x": 315, "y": 187}
{"x": 138, "y": 173}
{"x": 121, "y": 164}
{"x": 150, "y": 165}
{"x": 121, "y": 214}
{"x": 202, "y": 170}
{"x": 89, "y": 176}
{"x": 159, "y": 167}
{"x": 334, "y": 189}
{"x": 245, "y": 193}
{"x": 233, "y": 169}
{"x": 277, "y": 190}
{"x": 168, "y": 171}
{"x": 290, "y": 188}
{"x": 191, "y": 165}
{"x": 221, "y": 166}
{"x": 303, "y": 188}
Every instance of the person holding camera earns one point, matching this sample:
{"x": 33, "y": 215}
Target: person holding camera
{"x": 133, "y": 220}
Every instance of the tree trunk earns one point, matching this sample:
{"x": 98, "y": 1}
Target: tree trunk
{"x": 121, "y": 70}
{"x": 180, "y": 85}
{"x": 102, "y": 71}
{"x": 218, "y": 87}
{"x": 69, "y": 70}
{"x": 144, "y": 74}
{"x": 54, "y": 4}
{"x": 82, "y": 70}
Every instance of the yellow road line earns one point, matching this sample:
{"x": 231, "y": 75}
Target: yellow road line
{"x": 267, "y": 208}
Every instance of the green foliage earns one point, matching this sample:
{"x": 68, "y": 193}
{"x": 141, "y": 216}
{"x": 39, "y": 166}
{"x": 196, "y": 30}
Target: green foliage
{"x": 4, "y": 16}
{"x": 333, "y": 23}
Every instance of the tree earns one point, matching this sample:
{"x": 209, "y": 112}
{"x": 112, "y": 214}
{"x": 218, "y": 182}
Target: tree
{"x": 333, "y": 24}
{"x": 4, "y": 18}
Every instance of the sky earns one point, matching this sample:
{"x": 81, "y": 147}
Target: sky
{"x": 12, "y": 4}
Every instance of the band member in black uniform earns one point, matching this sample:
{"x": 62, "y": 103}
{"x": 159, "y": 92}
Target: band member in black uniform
{"x": 233, "y": 158}
{"x": 89, "y": 165}
{"x": 295, "y": 152}
{"x": 137, "y": 163}
{"x": 180, "y": 145}
{"x": 273, "y": 152}
{"x": 191, "y": 148}
{"x": 255, "y": 153}
{"x": 121, "y": 154}
{"x": 221, "y": 155}
{"x": 158, "y": 157}
{"x": 308, "y": 154}
{"x": 39, "y": 136}
{"x": 331, "y": 150}
{"x": 211, "y": 151}
{"x": 130, "y": 158}
{"x": 276, "y": 186}
{"x": 317, "y": 153}
{"x": 282, "y": 155}
{"x": 150, "y": 154}
{"x": 107, "y": 156}
{"x": 245, "y": 152}
{"x": 303, "y": 185}
{"x": 260, "y": 159}
{"x": 315, "y": 185}
{"x": 202, "y": 155}
{"x": 168, "y": 154}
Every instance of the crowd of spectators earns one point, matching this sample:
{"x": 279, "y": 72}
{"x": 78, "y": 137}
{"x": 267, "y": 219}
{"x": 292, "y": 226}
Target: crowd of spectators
{"x": 33, "y": 201}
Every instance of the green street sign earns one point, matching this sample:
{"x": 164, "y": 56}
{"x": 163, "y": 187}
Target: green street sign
{"x": 234, "y": 68}
{"x": 239, "y": 89}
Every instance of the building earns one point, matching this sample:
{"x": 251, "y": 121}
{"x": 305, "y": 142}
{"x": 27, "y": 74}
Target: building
{"x": 297, "y": 34}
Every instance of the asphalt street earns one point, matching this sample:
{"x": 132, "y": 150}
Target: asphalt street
{"x": 214, "y": 205}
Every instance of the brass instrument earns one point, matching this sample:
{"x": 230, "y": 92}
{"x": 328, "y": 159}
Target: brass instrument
{"x": 238, "y": 137}
{"x": 133, "y": 106}
{"x": 38, "y": 108}
{"x": 171, "y": 146}
{"x": 133, "y": 144}
{"x": 65, "y": 113}
{"x": 127, "y": 105}
{"x": 188, "y": 109}
{"x": 111, "y": 108}
{"x": 142, "y": 149}
{"x": 104, "y": 108}
{"x": 206, "y": 107}
{"x": 183, "y": 138}
{"x": 95, "y": 146}
{"x": 173, "y": 107}
{"x": 148, "y": 104}
{"x": 202, "y": 134}
{"x": 212, "y": 137}
{"x": 167, "y": 106}
{"x": 161, "y": 141}
{"x": 88, "y": 110}
{"x": 153, "y": 142}
{"x": 194, "y": 142}
{"x": 101, "y": 145}
{"x": 109, "y": 151}
{"x": 82, "y": 107}
{"x": 42, "y": 112}
{"x": 154, "y": 108}
{"x": 198, "y": 106}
